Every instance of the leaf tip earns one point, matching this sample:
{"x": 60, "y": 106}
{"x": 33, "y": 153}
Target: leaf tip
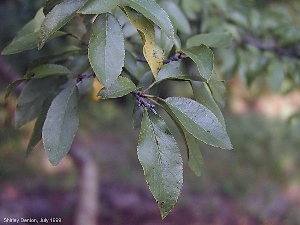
{"x": 40, "y": 44}
{"x": 54, "y": 163}
{"x": 4, "y": 52}
{"x": 227, "y": 145}
{"x": 162, "y": 210}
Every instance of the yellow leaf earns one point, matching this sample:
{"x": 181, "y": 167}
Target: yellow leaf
{"x": 153, "y": 53}
{"x": 97, "y": 86}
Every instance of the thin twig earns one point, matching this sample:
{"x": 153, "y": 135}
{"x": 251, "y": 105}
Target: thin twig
{"x": 78, "y": 39}
{"x": 83, "y": 77}
{"x": 141, "y": 59}
{"x": 155, "y": 102}
{"x": 175, "y": 57}
{"x": 153, "y": 96}
{"x": 148, "y": 88}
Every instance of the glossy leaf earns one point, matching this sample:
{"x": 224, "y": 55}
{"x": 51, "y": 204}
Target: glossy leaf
{"x": 199, "y": 121}
{"x": 204, "y": 59}
{"x": 204, "y": 96}
{"x": 122, "y": 86}
{"x": 106, "y": 49}
{"x": 166, "y": 43}
{"x": 57, "y": 18}
{"x": 151, "y": 10}
{"x": 98, "y": 7}
{"x": 137, "y": 116}
{"x": 48, "y": 70}
{"x": 213, "y": 40}
{"x": 146, "y": 80}
{"x": 161, "y": 161}
{"x": 153, "y": 53}
{"x": 30, "y": 102}
{"x": 61, "y": 124}
{"x": 21, "y": 44}
{"x": 192, "y": 144}
{"x": 177, "y": 70}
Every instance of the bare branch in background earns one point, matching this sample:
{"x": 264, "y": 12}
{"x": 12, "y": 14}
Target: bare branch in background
{"x": 272, "y": 46}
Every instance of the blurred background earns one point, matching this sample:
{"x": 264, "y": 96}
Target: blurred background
{"x": 256, "y": 183}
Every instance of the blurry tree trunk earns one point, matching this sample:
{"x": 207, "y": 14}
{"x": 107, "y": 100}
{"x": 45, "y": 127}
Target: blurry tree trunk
{"x": 87, "y": 183}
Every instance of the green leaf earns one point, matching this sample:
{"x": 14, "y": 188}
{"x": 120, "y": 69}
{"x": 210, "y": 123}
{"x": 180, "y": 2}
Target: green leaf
{"x": 213, "y": 40}
{"x": 106, "y": 49}
{"x": 27, "y": 42}
{"x": 131, "y": 63}
{"x": 122, "y": 86}
{"x": 176, "y": 16}
{"x": 199, "y": 121}
{"x": 161, "y": 161}
{"x": 33, "y": 25}
{"x": 48, "y": 70}
{"x": 57, "y": 18}
{"x": 50, "y": 4}
{"x": 98, "y": 7}
{"x": 154, "y": 12}
{"x": 30, "y": 102}
{"x": 61, "y": 124}
{"x": 21, "y": 44}
{"x": 204, "y": 96}
{"x": 192, "y": 144}
{"x": 194, "y": 154}
{"x": 178, "y": 70}
{"x": 12, "y": 86}
{"x": 36, "y": 135}
{"x": 61, "y": 56}
{"x": 217, "y": 88}
{"x": 204, "y": 59}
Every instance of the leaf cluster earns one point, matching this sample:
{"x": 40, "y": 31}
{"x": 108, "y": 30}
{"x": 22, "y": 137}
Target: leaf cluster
{"x": 176, "y": 39}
